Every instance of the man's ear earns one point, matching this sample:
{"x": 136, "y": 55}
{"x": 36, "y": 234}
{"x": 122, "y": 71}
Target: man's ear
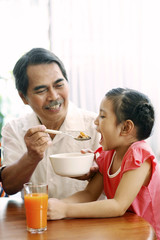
{"x": 24, "y": 99}
{"x": 127, "y": 127}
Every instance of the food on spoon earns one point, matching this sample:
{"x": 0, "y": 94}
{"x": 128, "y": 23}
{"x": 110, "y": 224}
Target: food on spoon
{"x": 83, "y": 135}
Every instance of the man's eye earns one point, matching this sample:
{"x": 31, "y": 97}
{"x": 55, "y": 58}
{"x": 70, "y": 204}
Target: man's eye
{"x": 41, "y": 91}
{"x": 101, "y": 116}
{"x": 59, "y": 85}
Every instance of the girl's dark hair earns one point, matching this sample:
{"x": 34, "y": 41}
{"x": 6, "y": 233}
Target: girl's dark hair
{"x": 35, "y": 56}
{"x": 133, "y": 105}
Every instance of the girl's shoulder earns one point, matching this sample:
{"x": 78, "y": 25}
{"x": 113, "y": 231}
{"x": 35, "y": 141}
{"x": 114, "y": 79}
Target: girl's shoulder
{"x": 137, "y": 153}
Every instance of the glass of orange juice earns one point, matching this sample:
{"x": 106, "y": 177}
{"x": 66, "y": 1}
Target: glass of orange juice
{"x": 36, "y": 203}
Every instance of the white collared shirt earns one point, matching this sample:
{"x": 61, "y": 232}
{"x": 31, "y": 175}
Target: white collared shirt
{"x": 76, "y": 120}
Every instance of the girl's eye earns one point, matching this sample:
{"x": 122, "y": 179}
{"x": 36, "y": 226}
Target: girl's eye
{"x": 101, "y": 116}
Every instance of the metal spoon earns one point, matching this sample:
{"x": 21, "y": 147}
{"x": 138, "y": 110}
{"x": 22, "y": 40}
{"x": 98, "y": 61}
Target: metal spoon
{"x": 67, "y": 134}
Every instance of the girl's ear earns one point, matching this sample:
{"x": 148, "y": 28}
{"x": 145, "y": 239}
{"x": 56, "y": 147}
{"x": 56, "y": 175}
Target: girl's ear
{"x": 127, "y": 127}
{"x": 24, "y": 99}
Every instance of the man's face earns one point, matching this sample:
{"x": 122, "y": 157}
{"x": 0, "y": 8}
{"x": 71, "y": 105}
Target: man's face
{"x": 47, "y": 94}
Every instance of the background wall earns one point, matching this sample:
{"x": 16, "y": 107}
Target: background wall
{"x": 103, "y": 44}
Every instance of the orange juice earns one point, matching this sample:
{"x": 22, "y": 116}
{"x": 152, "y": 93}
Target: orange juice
{"x": 36, "y": 210}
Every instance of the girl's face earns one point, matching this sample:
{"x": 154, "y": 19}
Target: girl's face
{"x": 106, "y": 123}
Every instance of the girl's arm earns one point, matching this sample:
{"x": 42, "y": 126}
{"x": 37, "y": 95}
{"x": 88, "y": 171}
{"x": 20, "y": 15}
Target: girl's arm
{"x": 57, "y": 208}
{"x": 91, "y": 193}
{"x": 129, "y": 186}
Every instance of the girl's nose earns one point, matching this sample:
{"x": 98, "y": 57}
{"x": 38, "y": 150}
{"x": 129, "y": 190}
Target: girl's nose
{"x": 96, "y": 121}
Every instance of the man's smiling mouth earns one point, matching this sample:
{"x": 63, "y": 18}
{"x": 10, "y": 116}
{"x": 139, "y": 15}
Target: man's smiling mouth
{"x": 54, "y": 105}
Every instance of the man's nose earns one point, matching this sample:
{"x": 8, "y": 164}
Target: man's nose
{"x": 52, "y": 94}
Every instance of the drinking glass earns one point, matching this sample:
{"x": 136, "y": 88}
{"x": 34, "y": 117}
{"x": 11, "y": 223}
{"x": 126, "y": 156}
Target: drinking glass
{"x": 36, "y": 203}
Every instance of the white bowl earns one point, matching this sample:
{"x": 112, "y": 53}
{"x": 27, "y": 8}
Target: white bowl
{"x": 72, "y": 164}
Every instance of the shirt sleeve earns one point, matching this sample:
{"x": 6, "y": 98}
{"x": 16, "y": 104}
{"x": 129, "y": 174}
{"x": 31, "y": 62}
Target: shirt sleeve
{"x": 13, "y": 146}
{"x": 135, "y": 157}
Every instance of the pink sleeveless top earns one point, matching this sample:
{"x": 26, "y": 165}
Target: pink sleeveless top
{"x": 147, "y": 202}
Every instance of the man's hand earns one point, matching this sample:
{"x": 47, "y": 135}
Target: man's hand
{"x": 93, "y": 169}
{"x": 37, "y": 141}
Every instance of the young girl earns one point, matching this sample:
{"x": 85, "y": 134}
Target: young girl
{"x": 128, "y": 171}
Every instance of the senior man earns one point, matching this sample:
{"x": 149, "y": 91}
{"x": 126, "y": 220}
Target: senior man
{"x": 42, "y": 83}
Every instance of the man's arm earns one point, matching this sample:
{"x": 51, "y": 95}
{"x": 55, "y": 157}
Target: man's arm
{"x": 15, "y": 175}
{"x": 18, "y": 173}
